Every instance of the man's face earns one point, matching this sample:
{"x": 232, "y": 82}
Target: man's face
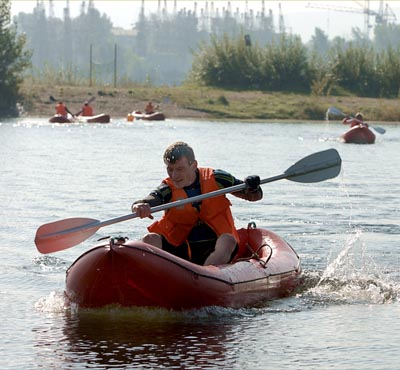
{"x": 181, "y": 172}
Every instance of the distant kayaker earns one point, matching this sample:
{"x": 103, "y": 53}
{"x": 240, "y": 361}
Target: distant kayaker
{"x": 86, "y": 110}
{"x": 354, "y": 121}
{"x": 149, "y": 108}
{"x": 61, "y": 109}
{"x": 204, "y": 232}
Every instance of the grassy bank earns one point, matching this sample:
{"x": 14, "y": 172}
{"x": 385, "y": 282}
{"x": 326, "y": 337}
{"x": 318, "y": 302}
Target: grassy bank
{"x": 207, "y": 103}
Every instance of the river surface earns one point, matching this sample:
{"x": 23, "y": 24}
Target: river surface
{"x": 346, "y": 231}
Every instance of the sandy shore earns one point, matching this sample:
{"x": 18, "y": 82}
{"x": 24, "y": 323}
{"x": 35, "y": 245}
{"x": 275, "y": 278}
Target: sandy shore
{"x": 202, "y": 103}
{"x": 117, "y": 103}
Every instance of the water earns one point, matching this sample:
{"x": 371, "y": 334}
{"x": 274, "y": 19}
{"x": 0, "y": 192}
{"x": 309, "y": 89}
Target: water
{"x": 346, "y": 231}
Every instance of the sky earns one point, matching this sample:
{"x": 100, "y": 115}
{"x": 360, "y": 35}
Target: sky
{"x": 335, "y": 18}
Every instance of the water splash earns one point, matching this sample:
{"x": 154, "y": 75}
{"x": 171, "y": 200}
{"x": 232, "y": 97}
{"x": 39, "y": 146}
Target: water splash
{"x": 353, "y": 277}
{"x": 55, "y": 302}
{"x": 49, "y": 263}
{"x": 327, "y": 115}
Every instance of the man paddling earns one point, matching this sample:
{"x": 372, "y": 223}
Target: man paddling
{"x": 203, "y": 232}
{"x": 86, "y": 110}
{"x": 61, "y": 109}
{"x": 358, "y": 120}
{"x": 149, "y": 109}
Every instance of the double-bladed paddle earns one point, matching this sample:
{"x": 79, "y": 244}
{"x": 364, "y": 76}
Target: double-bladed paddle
{"x": 337, "y": 112}
{"x": 63, "y": 234}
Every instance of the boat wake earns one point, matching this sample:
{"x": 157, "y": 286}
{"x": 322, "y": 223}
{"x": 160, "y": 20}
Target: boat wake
{"x": 351, "y": 278}
{"x": 57, "y": 303}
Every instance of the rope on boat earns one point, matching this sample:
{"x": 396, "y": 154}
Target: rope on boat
{"x": 255, "y": 254}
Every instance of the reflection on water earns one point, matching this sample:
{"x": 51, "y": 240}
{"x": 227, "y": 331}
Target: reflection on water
{"x": 156, "y": 341}
{"x": 144, "y": 338}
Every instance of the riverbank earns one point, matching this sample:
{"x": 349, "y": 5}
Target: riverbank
{"x": 205, "y": 103}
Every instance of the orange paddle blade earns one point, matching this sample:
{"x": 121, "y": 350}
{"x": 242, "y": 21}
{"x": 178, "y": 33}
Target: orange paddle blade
{"x": 60, "y": 235}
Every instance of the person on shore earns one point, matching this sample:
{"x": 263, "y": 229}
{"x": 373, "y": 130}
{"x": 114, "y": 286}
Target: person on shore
{"x": 149, "y": 108}
{"x": 61, "y": 109}
{"x": 358, "y": 120}
{"x": 202, "y": 232}
{"x": 86, "y": 110}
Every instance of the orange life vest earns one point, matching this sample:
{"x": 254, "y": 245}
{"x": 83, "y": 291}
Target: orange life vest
{"x": 61, "y": 110}
{"x": 87, "y": 110}
{"x": 177, "y": 222}
{"x": 354, "y": 122}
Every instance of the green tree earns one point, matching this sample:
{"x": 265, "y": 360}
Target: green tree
{"x": 13, "y": 61}
{"x": 355, "y": 70}
{"x": 319, "y": 43}
{"x": 288, "y": 60}
{"x": 230, "y": 63}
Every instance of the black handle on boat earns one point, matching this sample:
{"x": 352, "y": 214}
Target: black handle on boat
{"x": 337, "y": 112}
{"x": 63, "y": 234}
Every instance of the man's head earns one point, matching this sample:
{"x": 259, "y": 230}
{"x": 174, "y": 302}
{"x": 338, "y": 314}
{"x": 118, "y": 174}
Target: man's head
{"x": 359, "y": 116}
{"x": 178, "y": 150}
{"x": 181, "y": 164}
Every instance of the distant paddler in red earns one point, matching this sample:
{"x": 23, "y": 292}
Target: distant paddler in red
{"x": 61, "y": 109}
{"x": 86, "y": 110}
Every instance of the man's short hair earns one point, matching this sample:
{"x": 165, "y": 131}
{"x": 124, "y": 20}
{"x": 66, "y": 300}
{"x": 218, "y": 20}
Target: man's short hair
{"x": 178, "y": 150}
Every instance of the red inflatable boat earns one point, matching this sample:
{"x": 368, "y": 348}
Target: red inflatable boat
{"x": 132, "y": 273}
{"x": 100, "y": 118}
{"x": 57, "y": 118}
{"x": 360, "y": 134}
{"x": 155, "y": 116}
